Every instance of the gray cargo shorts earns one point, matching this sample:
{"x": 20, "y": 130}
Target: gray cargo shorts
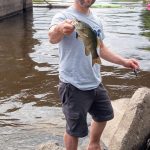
{"x": 77, "y": 103}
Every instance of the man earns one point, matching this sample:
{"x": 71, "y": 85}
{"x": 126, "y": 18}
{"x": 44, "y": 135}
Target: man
{"x": 80, "y": 88}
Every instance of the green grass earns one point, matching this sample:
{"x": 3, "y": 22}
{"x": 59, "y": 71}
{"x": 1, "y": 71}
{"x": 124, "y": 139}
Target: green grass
{"x": 106, "y": 6}
{"x": 38, "y": 1}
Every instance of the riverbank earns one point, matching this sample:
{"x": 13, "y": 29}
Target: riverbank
{"x": 51, "y": 4}
{"x": 65, "y": 4}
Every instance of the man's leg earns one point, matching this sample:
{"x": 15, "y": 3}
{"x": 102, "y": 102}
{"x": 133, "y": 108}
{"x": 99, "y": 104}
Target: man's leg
{"x": 71, "y": 142}
{"x": 96, "y": 130}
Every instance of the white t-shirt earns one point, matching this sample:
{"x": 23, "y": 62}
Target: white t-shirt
{"x": 74, "y": 66}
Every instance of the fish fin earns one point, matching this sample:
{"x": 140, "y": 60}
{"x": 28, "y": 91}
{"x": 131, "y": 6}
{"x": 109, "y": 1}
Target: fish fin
{"x": 96, "y": 61}
{"x": 78, "y": 37}
{"x": 85, "y": 35}
{"x": 87, "y": 52}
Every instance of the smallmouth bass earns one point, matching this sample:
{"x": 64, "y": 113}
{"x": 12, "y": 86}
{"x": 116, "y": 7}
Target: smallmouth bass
{"x": 89, "y": 38}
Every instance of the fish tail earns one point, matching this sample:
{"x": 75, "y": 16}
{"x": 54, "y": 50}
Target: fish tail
{"x": 96, "y": 61}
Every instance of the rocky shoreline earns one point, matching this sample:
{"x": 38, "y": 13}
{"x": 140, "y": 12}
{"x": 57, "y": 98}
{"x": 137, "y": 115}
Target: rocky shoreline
{"x": 128, "y": 130}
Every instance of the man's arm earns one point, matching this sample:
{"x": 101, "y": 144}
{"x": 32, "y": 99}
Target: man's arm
{"x": 108, "y": 55}
{"x": 57, "y": 32}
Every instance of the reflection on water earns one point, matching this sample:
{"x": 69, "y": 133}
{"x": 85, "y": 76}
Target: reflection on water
{"x": 145, "y": 17}
{"x": 29, "y": 63}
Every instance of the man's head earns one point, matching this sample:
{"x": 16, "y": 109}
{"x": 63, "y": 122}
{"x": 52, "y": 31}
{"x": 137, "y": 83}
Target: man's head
{"x": 85, "y": 3}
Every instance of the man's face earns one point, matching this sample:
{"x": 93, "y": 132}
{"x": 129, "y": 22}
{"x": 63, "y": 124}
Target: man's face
{"x": 86, "y": 3}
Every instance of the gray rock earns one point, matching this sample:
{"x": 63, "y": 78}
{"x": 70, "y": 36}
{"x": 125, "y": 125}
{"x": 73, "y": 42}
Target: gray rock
{"x": 51, "y": 145}
{"x": 119, "y": 107}
{"x": 135, "y": 123}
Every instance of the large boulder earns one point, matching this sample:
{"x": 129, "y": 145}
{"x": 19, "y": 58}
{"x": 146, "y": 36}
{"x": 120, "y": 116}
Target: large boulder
{"x": 132, "y": 125}
{"x": 119, "y": 107}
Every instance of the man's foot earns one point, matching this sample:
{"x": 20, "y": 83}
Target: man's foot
{"x": 94, "y": 147}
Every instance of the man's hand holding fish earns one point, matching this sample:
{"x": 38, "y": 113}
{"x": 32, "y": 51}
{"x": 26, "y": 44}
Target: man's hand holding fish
{"x": 58, "y": 31}
{"x": 66, "y": 27}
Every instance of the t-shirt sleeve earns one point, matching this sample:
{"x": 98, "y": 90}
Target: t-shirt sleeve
{"x": 102, "y": 35}
{"x": 59, "y": 17}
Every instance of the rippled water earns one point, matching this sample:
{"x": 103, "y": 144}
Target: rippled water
{"x": 29, "y": 63}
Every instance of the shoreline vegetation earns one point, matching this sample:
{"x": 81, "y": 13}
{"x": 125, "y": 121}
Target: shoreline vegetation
{"x": 51, "y": 3}
{"x": 65, "y": 3}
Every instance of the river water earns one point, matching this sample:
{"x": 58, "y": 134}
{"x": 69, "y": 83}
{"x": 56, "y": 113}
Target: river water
{"x": 29, "y": 65}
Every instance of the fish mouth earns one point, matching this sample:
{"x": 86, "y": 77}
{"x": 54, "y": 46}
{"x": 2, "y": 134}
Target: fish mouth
{"x": 74, "y": 22}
